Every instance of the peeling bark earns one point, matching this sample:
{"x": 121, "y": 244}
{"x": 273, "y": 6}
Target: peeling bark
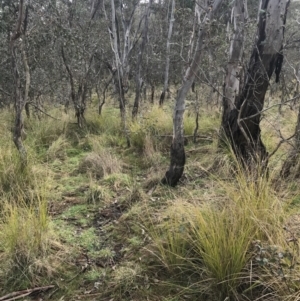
{"x": 234, "y": 69}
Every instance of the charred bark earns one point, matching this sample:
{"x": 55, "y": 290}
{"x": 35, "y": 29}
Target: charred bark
{"x": 177, "y": 163}
{"x": 241, "y": 122}
{"x": 152, "y": 93}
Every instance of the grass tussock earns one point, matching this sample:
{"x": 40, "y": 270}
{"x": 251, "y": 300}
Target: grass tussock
{"x": 101, "y": 163}
{"x": 18, "y": 182}
{"x": 215, "y": 241}
{"x": 58, "y": 149}
{"x": 30, "y": 250}
{"x": 41, "y": 134}
{"x": 154, "y": 125}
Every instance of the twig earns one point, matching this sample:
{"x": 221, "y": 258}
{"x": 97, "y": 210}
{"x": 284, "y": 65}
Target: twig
{"x": 8, "y": 94}
{"x": 239, "y": 121}
{"x": 24, "y": 293}
{"x": 91, "y": 295}
{"x": 34, "y": 105}
{"x": 83, "y": 270}
{"x": 188, "y": 136}
{"x": 268, "y": 108}
{"x": 279, "y": 144}
{"x": 197, "y": 117}
{"x": 18, "y": 297}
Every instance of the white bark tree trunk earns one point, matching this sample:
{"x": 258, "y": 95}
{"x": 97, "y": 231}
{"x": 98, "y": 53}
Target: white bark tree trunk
{"x": 138, "y": 79}
{"x": 122, "y": 57}
{"x": 234, "y": 67}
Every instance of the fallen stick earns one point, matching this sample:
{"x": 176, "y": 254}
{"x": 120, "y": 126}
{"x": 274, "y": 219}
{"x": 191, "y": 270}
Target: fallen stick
{"x": 24, "y": 293}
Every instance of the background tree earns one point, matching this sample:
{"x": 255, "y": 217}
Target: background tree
{"x": 166, "y": 77}
{"x": 21, "y": 92}
{"x": 138, "y": 80}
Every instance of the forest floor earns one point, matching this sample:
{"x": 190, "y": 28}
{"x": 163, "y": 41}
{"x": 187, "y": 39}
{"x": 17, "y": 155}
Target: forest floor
{"x": 88, "y": 216}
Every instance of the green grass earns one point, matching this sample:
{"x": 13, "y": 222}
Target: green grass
{"x": 210, "y": 238}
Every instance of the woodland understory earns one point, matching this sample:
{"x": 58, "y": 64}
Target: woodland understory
{"x": 149, "y": 150}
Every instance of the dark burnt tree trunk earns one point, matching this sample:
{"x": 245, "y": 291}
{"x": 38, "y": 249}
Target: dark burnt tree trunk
{"x": 241, "y": 123}
{"x": 177, "y": 152}
{"x": 80, "y": 103}
{"x": 152, "y": 95}
{"x": 18, "y": 94}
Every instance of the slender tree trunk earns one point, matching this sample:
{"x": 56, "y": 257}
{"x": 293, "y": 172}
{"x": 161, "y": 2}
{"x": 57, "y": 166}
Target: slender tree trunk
{"x": 177, "y": 152}
{"x": 79, "y": 97}
{"x": 138, "y": 79}
{"x": 80, "y": 104}
{"x": 152, "y": 93}
{"x": 76, "y": 97}
{"x": 27, "y": 77}
{"x": 242, "y": 121}
{"x": 197, "y": 117}
{"x": 19, "y": 99}
{"x": 166, "y": 81}
{"x": 122, "y": 67}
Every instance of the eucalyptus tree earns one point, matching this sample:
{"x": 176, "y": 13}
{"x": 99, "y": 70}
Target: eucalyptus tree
{"x": 19, "y": 58}
{"x": 207, "y": 11}
{"x": 155, "y": 57}
{"x": 241, "y": 120}
{"x": 234, "y": 73}
{"x": 8, "y": 15}
{"x": 79, "y": 44}
{"x": 123, "y": 39}
{"x": 138, "y": 79}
